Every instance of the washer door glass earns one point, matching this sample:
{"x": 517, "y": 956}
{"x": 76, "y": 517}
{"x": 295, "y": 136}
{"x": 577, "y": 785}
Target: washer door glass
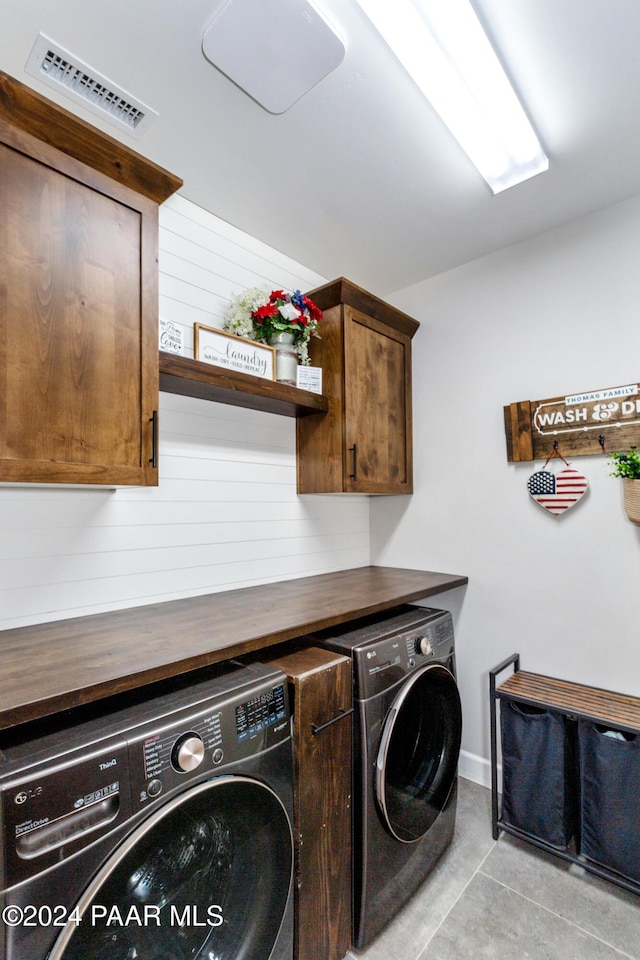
{"x": 418, "y": 755}
{"x": 206, "y": 876}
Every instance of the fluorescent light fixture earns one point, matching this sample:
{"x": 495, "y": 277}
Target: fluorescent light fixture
{"x": 443, "y": 47}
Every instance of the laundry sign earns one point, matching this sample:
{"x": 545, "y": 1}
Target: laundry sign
{"x": 590, "y": 422}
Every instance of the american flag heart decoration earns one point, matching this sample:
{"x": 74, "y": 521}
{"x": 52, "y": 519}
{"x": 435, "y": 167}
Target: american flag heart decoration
{"x": 557, "y": 493}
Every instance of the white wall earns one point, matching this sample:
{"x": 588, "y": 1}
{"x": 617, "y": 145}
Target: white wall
{"x": 554, "y": 315}
{"x": 226, "y": 513}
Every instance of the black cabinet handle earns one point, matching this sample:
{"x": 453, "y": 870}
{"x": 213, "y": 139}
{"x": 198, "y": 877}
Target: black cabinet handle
{"x": 315, "y": 728}
{"x": 153, "y": 420}
{"x": 354, "y": 451}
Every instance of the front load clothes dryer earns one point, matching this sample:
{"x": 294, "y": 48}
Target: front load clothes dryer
{"x": 158, "y": 830}
{"x": 407, "y": 730}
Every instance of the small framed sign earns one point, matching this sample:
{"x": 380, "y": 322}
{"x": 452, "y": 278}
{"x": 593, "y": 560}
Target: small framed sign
{"x": 309, "y": 378}
{"x": 233, "y": 353}
{"x": 171, "y": 337}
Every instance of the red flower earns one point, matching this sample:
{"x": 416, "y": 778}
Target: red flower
{"x": 278, "y": 295}
{"x": 315, "y": 311}
{"x": 264, "y": 312}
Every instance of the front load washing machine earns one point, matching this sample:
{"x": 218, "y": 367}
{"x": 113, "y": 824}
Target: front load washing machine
{"x": 154, "y": 830}
{"x": 407, "y": 731}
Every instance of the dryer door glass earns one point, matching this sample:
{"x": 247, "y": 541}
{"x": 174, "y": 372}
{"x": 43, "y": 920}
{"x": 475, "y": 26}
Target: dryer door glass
{"x": 206, "y": 876}
{"x": 418, "y": 756}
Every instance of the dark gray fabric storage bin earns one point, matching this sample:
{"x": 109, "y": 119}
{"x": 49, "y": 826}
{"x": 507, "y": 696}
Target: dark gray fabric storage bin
{"x": 539, "y": 776}
{"x": 610, "y": 798}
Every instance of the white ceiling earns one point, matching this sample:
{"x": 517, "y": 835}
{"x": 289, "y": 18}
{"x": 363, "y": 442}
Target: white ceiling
{"x": 359, "y": 178}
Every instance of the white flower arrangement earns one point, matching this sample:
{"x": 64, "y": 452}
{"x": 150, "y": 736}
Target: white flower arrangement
{"x": 238, "y": 318}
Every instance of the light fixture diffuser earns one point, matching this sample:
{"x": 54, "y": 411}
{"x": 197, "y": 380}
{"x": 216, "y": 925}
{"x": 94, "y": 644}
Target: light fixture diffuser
{"x": 443, "y": 47}
{"x": 275, "y": 51}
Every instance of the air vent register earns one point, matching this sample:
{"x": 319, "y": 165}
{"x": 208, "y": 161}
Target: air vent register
{"x": 55, "y": 66}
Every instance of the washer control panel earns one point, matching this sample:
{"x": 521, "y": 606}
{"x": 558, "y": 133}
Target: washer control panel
{"x": 259, "y": 713}
{"x": 181, "y": 750}
{"x": 68, "y": 786}
{"x": 55, "y": 809}
{"x": 187, "y": 753}
{"x": 199, "y": 741}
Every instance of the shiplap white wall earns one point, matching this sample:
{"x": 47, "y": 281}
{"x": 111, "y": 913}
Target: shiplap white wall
{"x": 225, "y": 514}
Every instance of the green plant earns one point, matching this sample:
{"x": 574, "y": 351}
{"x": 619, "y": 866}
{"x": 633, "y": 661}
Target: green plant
{"x": 626, "y": 465}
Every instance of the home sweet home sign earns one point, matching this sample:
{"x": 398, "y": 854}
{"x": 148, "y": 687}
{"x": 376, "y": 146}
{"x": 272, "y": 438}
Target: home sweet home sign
{"x": 579, "y": 424}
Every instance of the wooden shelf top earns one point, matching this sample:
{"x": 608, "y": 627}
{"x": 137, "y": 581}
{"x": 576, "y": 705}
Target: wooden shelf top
{"x": 604, "y": 706}
{"x": 51, "y": 667}
{"x": 343, "y": 291}
{"x": 192, "y": 378}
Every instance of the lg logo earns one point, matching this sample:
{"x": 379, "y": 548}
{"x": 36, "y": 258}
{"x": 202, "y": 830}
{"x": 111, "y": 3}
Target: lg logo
{"x": 25, "y": 795}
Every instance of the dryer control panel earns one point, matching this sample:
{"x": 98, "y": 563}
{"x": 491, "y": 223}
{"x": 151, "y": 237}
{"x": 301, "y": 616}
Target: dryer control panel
{"x": 433, "y": 639}
{"x": 386, "y": 649}
{"x": 381, "y": 663}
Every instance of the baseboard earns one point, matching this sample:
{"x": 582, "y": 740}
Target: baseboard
{"x": 477, "y": 769}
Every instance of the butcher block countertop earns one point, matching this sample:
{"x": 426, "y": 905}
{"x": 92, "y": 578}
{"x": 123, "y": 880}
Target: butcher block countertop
{"x": 52, "y": 667}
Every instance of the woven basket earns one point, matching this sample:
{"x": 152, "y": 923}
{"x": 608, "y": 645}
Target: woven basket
{"x": 631, "y": 489}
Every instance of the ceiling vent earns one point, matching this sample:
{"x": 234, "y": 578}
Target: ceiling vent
{"x": 69, "y": 75}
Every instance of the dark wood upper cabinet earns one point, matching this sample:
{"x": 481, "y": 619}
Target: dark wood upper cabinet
{"x": 78, "y": 299}
{"x": 364, "y": 443}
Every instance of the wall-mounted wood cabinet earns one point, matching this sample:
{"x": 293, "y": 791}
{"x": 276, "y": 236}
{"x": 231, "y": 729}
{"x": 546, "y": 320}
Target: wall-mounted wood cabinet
{"x": 364, "y": 443}
{"x": 78, "y": 299}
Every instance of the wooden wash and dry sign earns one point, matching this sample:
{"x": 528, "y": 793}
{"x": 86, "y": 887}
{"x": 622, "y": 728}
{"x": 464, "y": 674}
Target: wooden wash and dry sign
{"x": 595, "y": 421}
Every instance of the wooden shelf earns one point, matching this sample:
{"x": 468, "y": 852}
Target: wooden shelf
{"x": 592, "y": 703}
{"x": 191, "y": 378}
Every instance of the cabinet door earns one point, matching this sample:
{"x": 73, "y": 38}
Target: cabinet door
{"x": 78, "y": 321}
{"x": 378, "y": 430}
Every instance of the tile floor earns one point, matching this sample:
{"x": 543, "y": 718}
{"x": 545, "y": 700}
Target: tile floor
{"x": 506, "y": 900}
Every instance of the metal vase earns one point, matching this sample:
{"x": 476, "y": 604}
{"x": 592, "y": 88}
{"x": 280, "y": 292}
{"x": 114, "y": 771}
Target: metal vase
{"x": 286, "y": 357}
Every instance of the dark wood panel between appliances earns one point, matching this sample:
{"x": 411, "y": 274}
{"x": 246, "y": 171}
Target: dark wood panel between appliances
{"x": 51, "y": 667}
{"x": 320, "y": 686}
